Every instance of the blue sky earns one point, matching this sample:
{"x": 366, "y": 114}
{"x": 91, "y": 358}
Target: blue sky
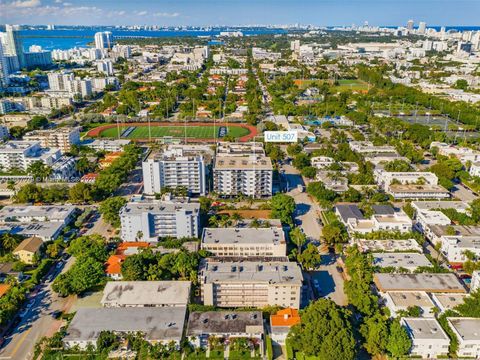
{"x": 239, "y": 12}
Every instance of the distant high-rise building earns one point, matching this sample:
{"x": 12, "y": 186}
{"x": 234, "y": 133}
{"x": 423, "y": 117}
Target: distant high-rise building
{"x": 105, "y": 67}
{"x": 410, "y": 24}
{"x": 50, "y": 27}
{"x": 60, "y": 81}
{"x": 14, "y": 44}
{"x": 422, "y": 27}
{"x": 104, "y": 40}
{"x": 3, "y": 69}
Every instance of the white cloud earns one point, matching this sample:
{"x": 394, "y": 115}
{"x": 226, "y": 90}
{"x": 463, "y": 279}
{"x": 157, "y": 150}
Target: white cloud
{"x": 67, "y": 4}
{"x": 25, "y": 4}
{"x": 166, "y": 14}
{"x": 141, "y": 13}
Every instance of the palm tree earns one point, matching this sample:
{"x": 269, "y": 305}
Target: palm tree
{"x": 298, "y": 238}
{"x": 236, "y": 217}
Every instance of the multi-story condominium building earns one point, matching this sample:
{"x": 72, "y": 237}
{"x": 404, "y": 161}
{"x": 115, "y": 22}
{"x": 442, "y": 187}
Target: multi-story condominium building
{"x": 106, "y": 145}
{"x": 103, "y": 40}
{"x": 462, "y": 153}
{"x": 4, "y": 132}
{"x": 175, "y": 167}
{"x": 20, "y": 154}
{"x": 58, "y": 81}
{"x": 47, "y": 102}
{"x": 151, "y": 220}
{"x": 367, "y": 147}
{"x": 62, "y": 138}
{"x": 454, "y": 247}
{"x": 427, "y": 336}
{"x": 250, "y": 283}
{"x": 239, "y": 149}
{"x": 250, "y": 175}
{"x": 467, "y": 333}
{"x": 30, "y": 213}
{"x": 244, "y": 242}
{"x": 386, "y": 178}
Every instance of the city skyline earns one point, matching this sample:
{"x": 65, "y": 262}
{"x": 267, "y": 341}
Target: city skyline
{"x": 249, "y": 12}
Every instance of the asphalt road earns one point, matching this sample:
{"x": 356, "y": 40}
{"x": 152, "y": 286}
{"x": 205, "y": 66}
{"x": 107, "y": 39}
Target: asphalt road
{"x": 463, "y": 193}
{"x": 38, "y": 320}
{"x": 307, "y": 212}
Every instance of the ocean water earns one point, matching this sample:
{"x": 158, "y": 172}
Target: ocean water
{"x": 70, "y": 38}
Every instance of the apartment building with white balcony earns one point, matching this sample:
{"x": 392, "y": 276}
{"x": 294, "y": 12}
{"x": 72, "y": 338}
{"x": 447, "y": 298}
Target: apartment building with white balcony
{"x": 461, "y": 153}
{"x": 367, "y": 147}
{"x": 467, "y": 331}
{"x": 20, "y": 154}
{"x": 455, "y": 247}
{"x": 250, "y": 283}
{"x": 151, "y": 220}
{"x": 61, "y": 138}
{"x": 244, "y": 242}
{"x": 250, "y": 175}
{"x": 427, "y": 336}
{"x": 175, "y": 167}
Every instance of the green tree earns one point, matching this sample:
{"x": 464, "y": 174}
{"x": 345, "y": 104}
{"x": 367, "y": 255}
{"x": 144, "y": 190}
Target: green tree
{"x": 375, "y": 332}
{"x": 398, "y": 343}
{"x": 80, "y": 193}
{"x": 106, "y": 340}
{"x": 283, "y": 207}
{"x": 309, "y": 172}
{"x": 38, "y": 170}
{"x": 310, "y": 257}
{"x": 110, "y": 208}
{"x": 334, "y": 233}
{"x": 298, "y": 238}
{"x": 324, "y": 332}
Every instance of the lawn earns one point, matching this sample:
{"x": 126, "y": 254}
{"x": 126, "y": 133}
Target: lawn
{"x": 241, "y": 355}
{"x": 195, "y": 132}
{"x": 354, "y": 85}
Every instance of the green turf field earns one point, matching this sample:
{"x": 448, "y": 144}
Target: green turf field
{"x": 354, "y": 85}
{"x": 197, "y": 132}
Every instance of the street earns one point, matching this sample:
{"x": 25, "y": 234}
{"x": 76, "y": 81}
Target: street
{"x": 38, "y": 320}
{"x": 463, "y": 193}
{"x": 307, "y": 212}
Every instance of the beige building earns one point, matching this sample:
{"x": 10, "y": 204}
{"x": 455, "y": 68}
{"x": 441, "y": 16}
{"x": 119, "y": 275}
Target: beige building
{"x": 27, "y": 249}
{"x": 250, "y": 283}
{"x": 242, "y": 242}
{"x": 61, "y": 138}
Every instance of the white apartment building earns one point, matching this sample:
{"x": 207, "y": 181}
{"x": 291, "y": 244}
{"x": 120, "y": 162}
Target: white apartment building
{"x": 467, "y": 331}
{"x": 58, "y": 81}
{"x": 427, "y": 336}
{"x": 461, "y": 153}
{"x": 20, "y": 154}
{"x": 99, "y": 84}
{"x": 62, "y": 138}
{"x": 244, "y": 242}
{"x": 398, "y": 301}
{"x": 367, "y": 147}
{"x": 454, "y": 247}
{"x": 475, "y": 169}
{"x": 105, "y": 67}
{"x": 475, "y": 284}
{"x": 426, "y": 218}
{"x": 103, "y": 40}
{"x": 81, "y": 87}
{"x": 151, "y": 220}
{"x": 106, "y": 145}
{"x": 250, "y": 175}
{"x": 385, "y": 178}
{"x": 176, "y": 167}
{"x": 47, "y": 102}
{"x": 250, "y": 283}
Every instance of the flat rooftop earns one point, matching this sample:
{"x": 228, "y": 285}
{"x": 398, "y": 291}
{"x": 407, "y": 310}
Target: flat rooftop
{"x": 251, "y": 271}
{"x": 449, "y": 301}
{"x": 425, "y": 329}
{"x": 389, "y": 245}
{"x": 40, "y": 229}
{"x": 15, "y": 146}
{"x": 464, "y": 230}
{"x": 412, "y": 188}
{"x": 46, "y": 213}
{"x": 153, "y": 293}
{"x": 156, "y": 323}
{"x": 225, "y": 322}
{"x": 239, "y": 149}
{"x": 245, "y": 235}
{"x": 157, "y": 206}
{"x": 445, "y": 283}
{"x": 349, "y": 211}
{"x": 404, "y": 299}
{"x": 400, "y": 260}
{"x": 467, "y": 328}
{"x": 247, "y": 162}
{"x": 431, "y": 205}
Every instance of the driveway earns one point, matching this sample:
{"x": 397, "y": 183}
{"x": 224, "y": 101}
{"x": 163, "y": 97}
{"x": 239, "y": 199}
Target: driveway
{"x": 463, "y": 193}
{"x": 330, "y": 281}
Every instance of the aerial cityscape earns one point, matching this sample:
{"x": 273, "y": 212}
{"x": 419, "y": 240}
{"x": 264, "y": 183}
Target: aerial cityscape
{"x": 239, "y": 180}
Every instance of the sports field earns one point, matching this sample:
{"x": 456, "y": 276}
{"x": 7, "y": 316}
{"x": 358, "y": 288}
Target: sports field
{"x": 193, "y": 132}
{"x": 354, "y": 85}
